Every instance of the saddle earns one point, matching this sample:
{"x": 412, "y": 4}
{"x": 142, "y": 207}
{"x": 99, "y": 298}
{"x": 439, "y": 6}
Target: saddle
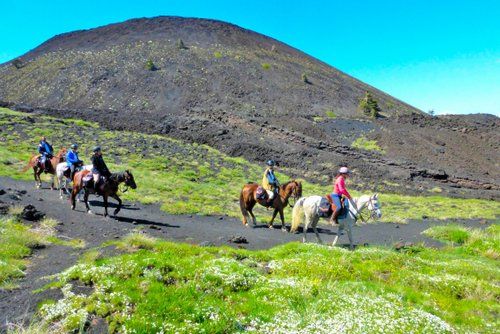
{"x": 261, "y": 194}
{"x": 327, "y": 207}
{"x": 87, "y": 180}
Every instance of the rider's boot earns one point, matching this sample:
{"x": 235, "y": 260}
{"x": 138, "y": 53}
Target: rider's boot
{"x": 334, "y": 219}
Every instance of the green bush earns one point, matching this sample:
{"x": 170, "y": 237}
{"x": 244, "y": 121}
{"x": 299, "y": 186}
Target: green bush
{"x": 150, "y": 66}
{"x": 217, "y": 54}
{"x": 266, "y": 66}
{"x": 330, "y": 114}
{"x": 305, "y": 79}
{"x": 181, "y": 45}
{"x": 369, "y": 106}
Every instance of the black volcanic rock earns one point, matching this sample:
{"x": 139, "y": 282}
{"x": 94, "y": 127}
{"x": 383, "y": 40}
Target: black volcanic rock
{"x": 243, "y": 93}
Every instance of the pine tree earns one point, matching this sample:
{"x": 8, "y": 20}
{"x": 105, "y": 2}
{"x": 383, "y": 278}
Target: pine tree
{"x": 369, "y": 106}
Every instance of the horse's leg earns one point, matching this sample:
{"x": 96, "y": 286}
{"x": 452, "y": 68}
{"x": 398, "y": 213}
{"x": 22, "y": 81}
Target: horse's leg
{"x": 314, "y": 223}
{"x": 53, "y": 181}
{"x": 37, "y": 177}
{"x": 254, "y": 220}
{"x": 349, "y": 234}
{"x": 86, "y": 200}
{"x": 74, "y": 192}
{"x": 307, "y": 220}
{"x": 105, "y": 200}
{"x": 282, "y": 216}
{"x": 115, "y": 196}
{"x": 339, "y": 232}
{"x": 270, "y": 225}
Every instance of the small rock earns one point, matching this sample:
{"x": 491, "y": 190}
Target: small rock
{"x": 40, "y": 199}
{"x": 154, "y": 227}
{"x": 2, "y": 192}
{"x": 425, "y": 217}
{"x": 21, "y": 192}
{"x": 238, "y": 240}
{"x": 221, "y": 218}
{"x": 30, "y": 213}
{"x": 135, "y": 222}
{"x": 4, "y": 209}
{"x": 397, "y": 226}
{"x": 14, "y": 197}
{"x": 206, "y": 244}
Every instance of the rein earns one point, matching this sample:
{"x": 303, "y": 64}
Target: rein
{"x": 360, "y": 216}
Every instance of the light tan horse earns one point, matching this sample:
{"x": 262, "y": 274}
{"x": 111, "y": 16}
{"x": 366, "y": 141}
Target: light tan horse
{"x": 51, "y": 168}
{"x": 248, "y": 199}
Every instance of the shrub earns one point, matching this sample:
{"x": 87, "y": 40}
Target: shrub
{"x": 368, "y": 145}
{"x": 217, "y": 54}
{"x": 369, "y": 106}
{"x": 150, "y": 66}
{"x": 330, "y": 114}
{"x": 17, "y": 63}
{"x": 266, "y": 66}
{"x": 181, "y": 45}
{"x": 305, "y": 79}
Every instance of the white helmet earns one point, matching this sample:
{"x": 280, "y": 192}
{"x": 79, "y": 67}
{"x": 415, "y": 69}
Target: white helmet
{"x": 344, "y": 170}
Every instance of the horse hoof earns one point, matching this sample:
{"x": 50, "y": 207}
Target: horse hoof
{"x": 72, "y": 208}
{"x": 115, "y": 212}
{"x": 283, "y": 229}
{"x": 89, "y": 212}
{"x": 271, "y": 227}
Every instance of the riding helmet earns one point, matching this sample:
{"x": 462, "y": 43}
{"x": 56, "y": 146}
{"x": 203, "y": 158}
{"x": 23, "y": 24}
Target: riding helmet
{"x": 344, "y": 170}
{"x": 270, "y": 163}
{"x": 74, "y": 146}
{"x": 96, "y": 149}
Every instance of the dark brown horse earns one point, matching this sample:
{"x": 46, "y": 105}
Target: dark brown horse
{"x": 248, "y": 199}
{"x": 108, "y": 188}
{"x": 38, "y": 169}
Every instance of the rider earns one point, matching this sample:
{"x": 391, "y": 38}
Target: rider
{"x": 72, "y": 160}
{"x": 269, "y": 180}
{"x": 46, "y": 152}
{"x": 99, "y": 167}
{"x": 340, "y": 190}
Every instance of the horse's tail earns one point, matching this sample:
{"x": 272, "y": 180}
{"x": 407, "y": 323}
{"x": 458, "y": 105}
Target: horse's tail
{"x": 30, "y": 164}
{"x": 297, "y": 214}
{"x": 243, "y": 207}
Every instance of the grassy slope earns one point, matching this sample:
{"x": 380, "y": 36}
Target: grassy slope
{"x": 157, "y": 285}
{"x": 188, "y": 178}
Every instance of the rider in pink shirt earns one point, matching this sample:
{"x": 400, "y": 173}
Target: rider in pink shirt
{"x": 339, "y": 190}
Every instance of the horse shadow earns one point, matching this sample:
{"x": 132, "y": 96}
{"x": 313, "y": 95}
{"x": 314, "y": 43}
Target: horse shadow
{"x": 97, "y": 203}
{"x": 300, "y": 229}
{"x": 138, "y": 221}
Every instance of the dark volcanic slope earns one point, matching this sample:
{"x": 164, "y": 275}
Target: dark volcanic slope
{"x": 244, "y": 93}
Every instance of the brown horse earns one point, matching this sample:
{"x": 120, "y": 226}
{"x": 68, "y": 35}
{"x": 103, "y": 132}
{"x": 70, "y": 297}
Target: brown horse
{"x": 51, "y": 168}
{"x": 248, "y": 199}
{"x": 108, "y": 188}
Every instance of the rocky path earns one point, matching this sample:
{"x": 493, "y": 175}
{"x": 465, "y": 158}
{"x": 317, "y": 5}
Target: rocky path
{"x": 18, "y": 305}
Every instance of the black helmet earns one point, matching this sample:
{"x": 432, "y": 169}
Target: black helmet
{"x": 270, "y": 163}
{"x": 74, "y": 146}
{"x": 96, "y": 149}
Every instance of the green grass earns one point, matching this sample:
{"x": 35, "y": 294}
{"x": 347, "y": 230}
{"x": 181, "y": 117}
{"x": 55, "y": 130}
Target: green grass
{"x": 330, "y": 114}
{"x": 217, "y": 54}
{"x": 266, "y": 66}
{"x": 194, "y": 179}
{"x": 17, "y": 241}
{"x": 363, "y": 143}
{"x": 303, "y": 288}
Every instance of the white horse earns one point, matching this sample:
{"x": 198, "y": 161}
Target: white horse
{"x": 62, "y": 181}
{"x": 308, "y": 207}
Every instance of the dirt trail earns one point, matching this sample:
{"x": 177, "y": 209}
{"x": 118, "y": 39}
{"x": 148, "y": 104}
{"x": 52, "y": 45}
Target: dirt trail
{"x": 18, "y": 305}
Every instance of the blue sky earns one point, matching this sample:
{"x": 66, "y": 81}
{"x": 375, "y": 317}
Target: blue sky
{"x": 441, "y": 55}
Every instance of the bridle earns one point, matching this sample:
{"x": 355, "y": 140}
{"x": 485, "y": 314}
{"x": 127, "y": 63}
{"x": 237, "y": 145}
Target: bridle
{"x": 360, "y": 216}
{"x": 295, "y": 196}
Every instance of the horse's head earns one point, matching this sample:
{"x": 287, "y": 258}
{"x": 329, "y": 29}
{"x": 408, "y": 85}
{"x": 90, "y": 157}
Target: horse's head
{"x": 294, "y": 188}
{"x": 374, "y": 206}
{"x": 61, "y": 155}
{"x": 129, "y": 179}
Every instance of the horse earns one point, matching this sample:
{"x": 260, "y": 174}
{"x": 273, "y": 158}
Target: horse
{"x": 307, "y": 207}
{"x": 248, "y": 199}
{"x": 52, "y": 164}
{"x": 109, "y": 188}
{"x": 62, "y": 174}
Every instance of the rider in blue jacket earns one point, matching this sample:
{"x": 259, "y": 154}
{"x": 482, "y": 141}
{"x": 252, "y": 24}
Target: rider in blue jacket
{"x": 72, "y": 159}
{"x": 46, "y": 152}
